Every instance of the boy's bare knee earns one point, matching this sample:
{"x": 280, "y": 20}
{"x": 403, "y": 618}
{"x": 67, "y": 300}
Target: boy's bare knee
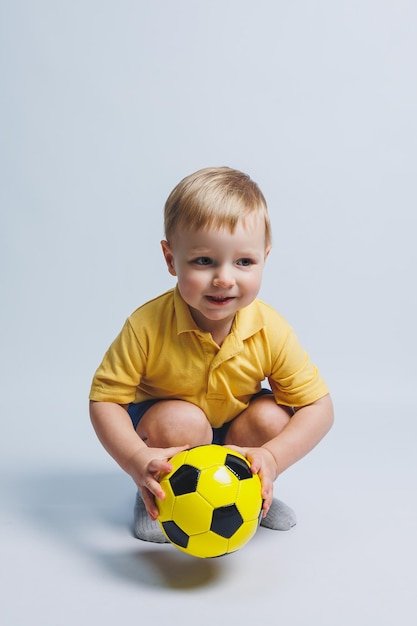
{"x": 174, "y": 423}
{"x": 263, "y": 420}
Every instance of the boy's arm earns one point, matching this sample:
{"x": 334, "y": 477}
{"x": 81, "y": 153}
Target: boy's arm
{"x": 305, "y": 430}
{"x": 115, "y": 431}
{"x": 113, "y": 427}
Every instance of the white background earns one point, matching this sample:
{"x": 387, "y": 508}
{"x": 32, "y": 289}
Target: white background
{"x": 105, "y": 106}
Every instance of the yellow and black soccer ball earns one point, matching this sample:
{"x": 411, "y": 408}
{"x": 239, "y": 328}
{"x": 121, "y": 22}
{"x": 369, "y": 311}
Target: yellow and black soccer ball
{"x": 212, "y": 502}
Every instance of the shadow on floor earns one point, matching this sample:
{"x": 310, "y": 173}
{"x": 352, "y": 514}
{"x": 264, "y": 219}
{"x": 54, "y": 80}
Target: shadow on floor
{"x": 92, "y": 514}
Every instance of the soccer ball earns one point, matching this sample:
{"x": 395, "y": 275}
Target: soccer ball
{"x": 212, "y": 502}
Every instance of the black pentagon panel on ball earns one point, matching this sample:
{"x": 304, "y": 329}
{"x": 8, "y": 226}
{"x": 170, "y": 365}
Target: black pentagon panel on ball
{"x": 238, "y": 466}
{"x": 175, "y": 534}
{"x": 226, "y": 520}
{"x": 184, "y": 480}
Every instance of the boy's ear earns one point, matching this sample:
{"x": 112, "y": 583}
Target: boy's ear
{"x": 169, "y": 257}
{"x": 267, "y": 251}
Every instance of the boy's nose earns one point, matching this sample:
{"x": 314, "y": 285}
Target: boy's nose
{"x": 223, "y": 279}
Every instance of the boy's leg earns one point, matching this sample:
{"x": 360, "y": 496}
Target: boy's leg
{"x": 170, "y": 423}
{"x": 260, "y": 422}
{"x": 167, "y": 423}
{"x": 263, "y": 420}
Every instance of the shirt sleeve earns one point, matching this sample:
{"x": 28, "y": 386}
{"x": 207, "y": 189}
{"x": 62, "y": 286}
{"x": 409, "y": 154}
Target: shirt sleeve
{"x": 121, "y": 369}
{"x": 295, "y": 380}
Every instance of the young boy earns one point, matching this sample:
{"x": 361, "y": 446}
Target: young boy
{"x": 187, "y": 367}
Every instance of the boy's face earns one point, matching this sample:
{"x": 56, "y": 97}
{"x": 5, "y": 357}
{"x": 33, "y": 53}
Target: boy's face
{"x": 218, "y": 272}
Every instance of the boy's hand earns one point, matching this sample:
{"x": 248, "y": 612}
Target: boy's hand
{"x": 262, "y": 463}
{"x": 146, "y": 467}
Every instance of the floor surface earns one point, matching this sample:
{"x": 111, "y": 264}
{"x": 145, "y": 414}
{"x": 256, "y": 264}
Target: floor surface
{"x": 68, "y": 556}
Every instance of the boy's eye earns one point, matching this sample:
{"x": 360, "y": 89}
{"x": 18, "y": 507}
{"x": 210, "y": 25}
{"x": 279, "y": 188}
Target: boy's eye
{"x": 203, "y": 260}
{"x": 245, "y": 262}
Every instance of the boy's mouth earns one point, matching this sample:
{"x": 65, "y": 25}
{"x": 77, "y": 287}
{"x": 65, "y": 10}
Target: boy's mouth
{"x": 219, "y": 299}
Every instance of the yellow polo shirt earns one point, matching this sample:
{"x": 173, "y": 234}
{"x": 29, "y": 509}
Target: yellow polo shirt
{"x": 161, "y": 353}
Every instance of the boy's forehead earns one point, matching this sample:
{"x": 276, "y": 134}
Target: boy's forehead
{"x": 248, "y": 231}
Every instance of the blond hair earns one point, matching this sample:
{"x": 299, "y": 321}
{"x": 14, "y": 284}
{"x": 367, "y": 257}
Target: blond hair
{"x": 214, "y": 197}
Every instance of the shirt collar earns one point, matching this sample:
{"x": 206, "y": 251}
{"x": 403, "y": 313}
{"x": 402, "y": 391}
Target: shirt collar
{"x": 185, "y": 322}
